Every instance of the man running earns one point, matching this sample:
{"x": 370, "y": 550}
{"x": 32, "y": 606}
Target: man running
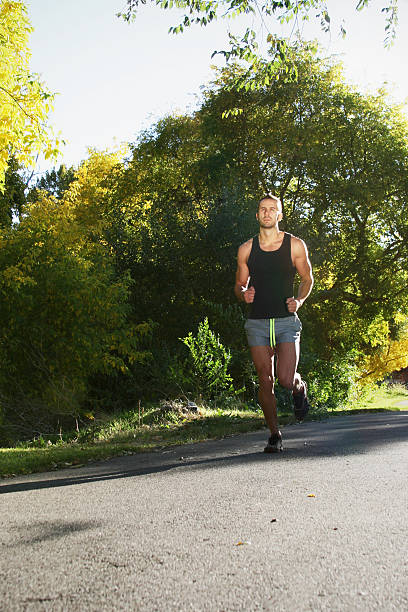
{"x": 267, "y": 265}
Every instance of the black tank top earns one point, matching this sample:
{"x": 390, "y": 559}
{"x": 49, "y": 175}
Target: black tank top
{"x": 272, "y": 274}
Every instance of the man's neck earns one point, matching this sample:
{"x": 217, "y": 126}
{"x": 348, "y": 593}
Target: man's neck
{"x": 270, "y": 234}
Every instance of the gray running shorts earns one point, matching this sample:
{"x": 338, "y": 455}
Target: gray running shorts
{"x": 270, "y": 332}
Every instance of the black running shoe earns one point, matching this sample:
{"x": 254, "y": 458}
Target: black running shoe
{"x": 301, "y": 405}
{"x": 274, "y": 444}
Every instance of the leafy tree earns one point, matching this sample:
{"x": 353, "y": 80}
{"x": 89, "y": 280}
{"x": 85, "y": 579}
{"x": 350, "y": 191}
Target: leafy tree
{"x": 261, "y": 71}
{"x": 168, "y": 220}
{"x": 24, "y": 100}
{"x": 338, "y": 161}
{"x": 391, "y": 356}
{"x": 55, "y": 182}
{"x": 64, "y": 315}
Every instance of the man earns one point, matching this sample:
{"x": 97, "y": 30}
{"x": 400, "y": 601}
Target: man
{"x": 267, "y": 265}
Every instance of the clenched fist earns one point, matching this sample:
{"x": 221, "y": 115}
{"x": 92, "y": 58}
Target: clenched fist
{"x": 292, "y": 304}
{"x": 248, "y": 294}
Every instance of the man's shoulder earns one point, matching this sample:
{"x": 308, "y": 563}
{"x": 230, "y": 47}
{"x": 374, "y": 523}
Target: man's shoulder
{"x": 244, "y": 251}
{"x": 245, "y": 246}
{"x": 297, "y": 244}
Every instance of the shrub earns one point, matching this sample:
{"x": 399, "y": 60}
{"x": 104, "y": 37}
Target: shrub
{"x": 209, "y": 361}
{"x": 331, "y": 384}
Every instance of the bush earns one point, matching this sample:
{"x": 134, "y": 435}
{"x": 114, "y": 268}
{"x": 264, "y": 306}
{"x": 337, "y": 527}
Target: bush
{"x": 331, "y": 384}
{"x": 209, "y": 361}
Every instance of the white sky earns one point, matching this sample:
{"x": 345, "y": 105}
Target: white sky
{"x": 115, "y": 79}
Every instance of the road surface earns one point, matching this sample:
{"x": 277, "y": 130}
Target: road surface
{"x": 218, "y": 526}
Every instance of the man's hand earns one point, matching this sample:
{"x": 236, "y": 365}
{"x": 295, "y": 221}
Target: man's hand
{"x": 293, "y": 305}
{"x": 248, "y": 295}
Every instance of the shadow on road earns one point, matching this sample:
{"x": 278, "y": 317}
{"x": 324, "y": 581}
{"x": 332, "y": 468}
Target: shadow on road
{"x": 39, "y": 531}
{"x": 333, "y": 437}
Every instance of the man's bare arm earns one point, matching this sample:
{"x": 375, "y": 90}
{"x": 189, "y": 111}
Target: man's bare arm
{"x": 242, "y": 278}
{"x": 304, "y": 269}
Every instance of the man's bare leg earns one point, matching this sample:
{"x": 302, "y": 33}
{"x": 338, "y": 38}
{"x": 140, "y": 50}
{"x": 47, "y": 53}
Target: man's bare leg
{"x": 286, "y": 366}
{"x": 287, "y": 360}
{"x": 262, "y": 356}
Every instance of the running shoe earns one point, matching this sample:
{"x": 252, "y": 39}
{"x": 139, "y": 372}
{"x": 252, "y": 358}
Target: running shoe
{"x": 301, "y": 404}
{"x": 274, "y": 444}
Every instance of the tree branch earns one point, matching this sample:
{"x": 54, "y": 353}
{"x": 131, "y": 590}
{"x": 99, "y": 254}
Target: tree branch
{"x": 19, "y": 105}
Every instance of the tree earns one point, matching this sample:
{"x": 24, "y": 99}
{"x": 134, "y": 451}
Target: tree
{"x": 24, "y": 100}
{"x": 65, "y": 311}
{"x": 12, "y": 199}
{"x": 55, "y": 182}
{"x": 337, "y": 159}
{"x": 391, "y": 357}
{"x": 261, "y": 71}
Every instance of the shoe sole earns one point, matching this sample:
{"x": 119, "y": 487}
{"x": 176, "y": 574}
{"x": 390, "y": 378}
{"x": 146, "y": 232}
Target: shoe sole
{"x": 302, "y": 413}
{"x": 271, "y": 450}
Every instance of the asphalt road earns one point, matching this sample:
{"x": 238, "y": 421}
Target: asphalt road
{"x": 218, "y": 526}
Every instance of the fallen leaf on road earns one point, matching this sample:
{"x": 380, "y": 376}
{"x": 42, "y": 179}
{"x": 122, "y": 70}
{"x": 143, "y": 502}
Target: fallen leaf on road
{"x": 242, "y": 543}
{"x": 311, "y": 495}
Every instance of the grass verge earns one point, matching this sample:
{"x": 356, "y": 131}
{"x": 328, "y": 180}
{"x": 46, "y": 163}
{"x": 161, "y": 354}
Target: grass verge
{"x": 390, "y": 397}
{"x": 123, "y": 434}
{"x": 119, "y": 437}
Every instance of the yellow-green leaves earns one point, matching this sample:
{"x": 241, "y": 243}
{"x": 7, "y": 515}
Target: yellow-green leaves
{"x": 390, "y": 357}
{"x": 64, "y": 314}
{"x": 25, "y": 103}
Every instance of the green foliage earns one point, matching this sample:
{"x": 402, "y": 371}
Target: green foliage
{"x": 227, "y": 321}
{"x": 64, "y": 317}
{"x": 261, "y": 71}
{"x": 186, "y": 200}
{"x": 12, "y": 198}
{"x": 331, "y": 383}
{"x": 54, "y": 182}
{"x": 321, "y": 147}
{"x": 100, "y": 280}
{"x": 209, "y": 362}
{"x": 336, "y": 159}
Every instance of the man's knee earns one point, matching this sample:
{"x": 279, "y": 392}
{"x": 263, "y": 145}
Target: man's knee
{"x": 266, "y": 381}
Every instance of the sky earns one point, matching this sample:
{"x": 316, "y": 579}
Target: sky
{"x": 115, "y": 79}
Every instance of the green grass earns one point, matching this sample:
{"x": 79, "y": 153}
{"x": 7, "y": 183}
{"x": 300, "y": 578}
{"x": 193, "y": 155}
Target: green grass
{"x": 121, "y": 435}
{"x": 391, "y": 397}
{"x": 386, "y": 398}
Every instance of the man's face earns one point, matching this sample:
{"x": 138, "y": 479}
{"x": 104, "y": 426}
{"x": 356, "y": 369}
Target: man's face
{"x": 269, "y": 213}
